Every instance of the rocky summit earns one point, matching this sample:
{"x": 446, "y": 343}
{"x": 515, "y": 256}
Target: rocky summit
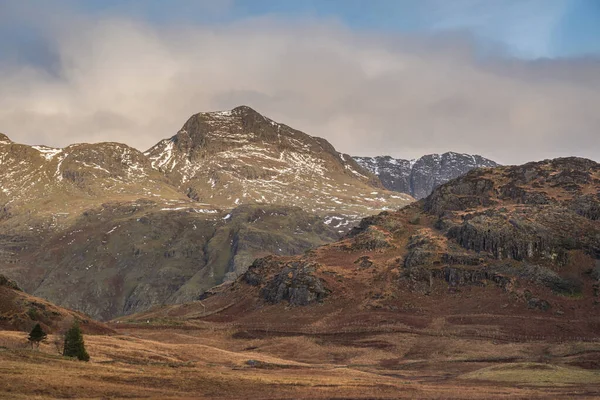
{"x": 106, "y": 229}
{"x": 240, "y": 156}
{"x": 419, "y": 177}
{"x": 510, "y": 250}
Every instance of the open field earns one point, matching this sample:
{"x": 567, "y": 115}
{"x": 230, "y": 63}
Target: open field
{"x": 210, "y": 360}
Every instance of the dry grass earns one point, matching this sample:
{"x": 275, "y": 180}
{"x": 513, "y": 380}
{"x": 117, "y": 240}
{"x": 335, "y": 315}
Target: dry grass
{"x": 212, "y": 363}
{"x": 536, "y": 374}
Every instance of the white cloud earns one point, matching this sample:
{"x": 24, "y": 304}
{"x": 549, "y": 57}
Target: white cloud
{"x": 121, "y": 80}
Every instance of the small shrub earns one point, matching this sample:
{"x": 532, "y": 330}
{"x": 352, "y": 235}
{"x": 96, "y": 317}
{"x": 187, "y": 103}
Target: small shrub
{"x": 36, "y": 336}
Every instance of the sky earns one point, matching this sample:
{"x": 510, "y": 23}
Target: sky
{"x": 512, "y": 80}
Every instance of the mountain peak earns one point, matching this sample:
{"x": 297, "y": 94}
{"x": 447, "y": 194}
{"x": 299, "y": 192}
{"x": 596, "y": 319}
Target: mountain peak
{"x": 244, "y": 110}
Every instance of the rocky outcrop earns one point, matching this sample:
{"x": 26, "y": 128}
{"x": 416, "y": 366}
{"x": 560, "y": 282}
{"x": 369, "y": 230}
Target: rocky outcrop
{"x": 587, "y": 206}
{"x": 422, "y": 278}
{"x": 502, "y": 275}
{"x": 517, "y": 239}
{"x": 535, "y": 211}
{"x": 293, "y": 281}
{"x": 422, "y": 249}
{"x": 371, "y": 239}
{"x": 419, "y": 177}
{"x": 468, "y": 192}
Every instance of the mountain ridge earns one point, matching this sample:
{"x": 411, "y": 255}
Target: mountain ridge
{"x": 108, "y": 230}
{"x": 249, "y": 157}
{"x": 418, "y": 177}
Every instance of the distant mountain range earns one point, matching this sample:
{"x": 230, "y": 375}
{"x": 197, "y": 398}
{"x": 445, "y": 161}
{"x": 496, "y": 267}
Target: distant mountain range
{"x": 419, "y": 177}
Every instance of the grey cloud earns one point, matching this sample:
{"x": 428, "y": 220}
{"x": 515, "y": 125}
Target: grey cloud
{"x": 123, "y": 80}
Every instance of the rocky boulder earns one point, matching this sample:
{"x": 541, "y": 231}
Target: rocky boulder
{"x": 292, "y": 281}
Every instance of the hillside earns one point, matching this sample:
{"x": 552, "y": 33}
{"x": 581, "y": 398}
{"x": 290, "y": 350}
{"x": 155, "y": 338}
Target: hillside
{"x": 419, "y": 177}
{"x": 20, "y": 312}
{"x": 506, "y": 252}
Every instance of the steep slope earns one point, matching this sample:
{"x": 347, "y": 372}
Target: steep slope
{"x": 508, "y": 253}
{"x": 239, "y": 156}
{"x": 124, "y": 258}
{"x": 419, "y": 177}
{"x": 20, "y": 311}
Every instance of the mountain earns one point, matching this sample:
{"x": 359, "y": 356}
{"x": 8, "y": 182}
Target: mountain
{"x": 105, "y": 229}
{"x": 504, "y": 253}
{"x": 20, "y": 311}
{"x": 419, "y": 177}
{"x": 96, "y": 228}
{"x": 240, "y": 156}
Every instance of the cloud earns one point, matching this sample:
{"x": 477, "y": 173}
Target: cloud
{"x": 118, "y": 79}
{"x": 526, "y": 27}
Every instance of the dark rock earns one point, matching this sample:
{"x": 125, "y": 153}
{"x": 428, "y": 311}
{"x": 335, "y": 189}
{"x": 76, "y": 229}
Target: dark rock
{"x": 587, "y": 206}
{"x": 462, "y": 194}
{"x": 292, "y": 281}
{"x": 461, "y": 259}
{"x": 455, "y": 277}
{"x": 419, "y": 177}
{"x": 364, "y": 262}
{"x": 370, "y": 239}
{"x": 539, "y": 304}
{"x": 422, "y": 250}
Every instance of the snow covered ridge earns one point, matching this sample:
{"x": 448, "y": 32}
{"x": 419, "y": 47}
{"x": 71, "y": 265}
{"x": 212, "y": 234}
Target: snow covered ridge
{"x": 419, "y": 177}
{"x": 223, "y": 158}
{"x": 33, "y": 173}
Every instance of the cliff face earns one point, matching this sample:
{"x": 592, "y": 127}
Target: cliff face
{"x": 419, "y": 177}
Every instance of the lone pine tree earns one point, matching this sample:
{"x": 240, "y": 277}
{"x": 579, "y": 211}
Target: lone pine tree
{"x": 74, "y": 346}
{"x": 36, "y": 336}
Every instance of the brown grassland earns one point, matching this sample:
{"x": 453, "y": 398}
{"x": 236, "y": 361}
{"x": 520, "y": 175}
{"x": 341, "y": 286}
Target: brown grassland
{"x": 212, "y": 360}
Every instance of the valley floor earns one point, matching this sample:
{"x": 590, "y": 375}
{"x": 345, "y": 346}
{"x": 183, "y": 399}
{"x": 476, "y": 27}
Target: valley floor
{"x": 211, "y": 360}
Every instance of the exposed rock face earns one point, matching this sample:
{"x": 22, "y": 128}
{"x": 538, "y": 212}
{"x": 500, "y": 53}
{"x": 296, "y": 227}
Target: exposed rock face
{"x": 370, "y": 239}
{"x": 419, "y": 177}
{"x": 539, "y": 210}
{"x": 293, "y": 281}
